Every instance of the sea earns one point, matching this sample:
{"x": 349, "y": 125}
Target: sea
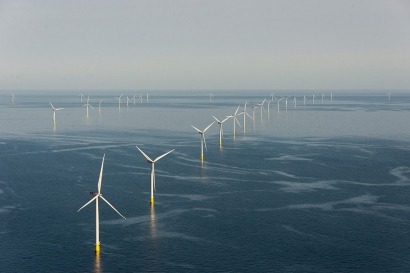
{"x": 311, "y": 187}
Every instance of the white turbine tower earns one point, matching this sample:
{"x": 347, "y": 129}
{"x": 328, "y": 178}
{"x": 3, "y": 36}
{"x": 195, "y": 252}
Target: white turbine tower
{"x": 97, "y": 220}
{"x": 323, "y": 95}
{"x": 279, "y": 103}
{"x": 235, "y": 119}
{"x": 119, "y": 101}
{"x": 221, "y": 131}
{"x": 244, "y": 113}
{"x": 54, "y": 112}
{"x": 203, "y": 142}
{"x": 88, "y": 105}
{"x": 261, "y": 105}
{"x": 294, "y": 101}
{"x": 313, "y": 98}
{"x": 152, "y": 162}
{"x": 99, "y": 105}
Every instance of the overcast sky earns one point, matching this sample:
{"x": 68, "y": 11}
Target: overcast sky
{"x": 204, "y": 44}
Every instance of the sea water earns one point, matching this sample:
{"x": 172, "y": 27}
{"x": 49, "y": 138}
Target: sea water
{"x": 319, "y": 187}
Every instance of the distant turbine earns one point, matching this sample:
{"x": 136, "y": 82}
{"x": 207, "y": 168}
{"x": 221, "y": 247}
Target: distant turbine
{"x": 389, "y": 96}
{"x": 294, "y": 102}
{"x": 269, "y": 102}
{"x": 279, "y": 103}
{"x": 304, "y": 100}
{"x": 261, "y": 106}
{"x": 322, "y": 97}
{"x": 286, "y": 103}
{"x": 331, "y": 97}
{"x": 152, "y": 162}
{"x": 235, "y": 119}
{"x": 221, "y": 131}
{"x": 95, "y": 198}
{"x": 210, "y": 97}
{"x": 147, "y": 98}
{"x": 13, "y": 98}
{"x": 133, "y": 99}
{"x": 119, "y": 101}
{"x": 81, "y": 97}
{"x": 88, "y": 105}
{"x": 128, "y": 100}
{"x": 244, "y": 113}
{"x": 313, "y": 98}
{"x": 140, "y": 98}
{"x": 203, "y": 142}
{"x": 54, "y": 112}
{"x": 99, "y": 105}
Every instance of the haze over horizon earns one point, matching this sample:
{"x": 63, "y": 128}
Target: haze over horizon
{"x": 205, "y": 45}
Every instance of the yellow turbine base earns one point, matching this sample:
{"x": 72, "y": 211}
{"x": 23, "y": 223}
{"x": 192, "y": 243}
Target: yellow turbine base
{"x": 202, "y": 158}
{"x": 97, "y": 249}
{"x": 151, "y": 200}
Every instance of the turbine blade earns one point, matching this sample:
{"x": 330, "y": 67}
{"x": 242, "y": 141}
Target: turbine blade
{"x": 199, "y": 131}
{"x": 101, "y": 174}
{"x": 237, "y": 121}
{"x": 144, "y": 154}
{"x": 161, "y": 156}
{"x": 226, "y": 119}
{"x": 112, "y": 206}
{"x": 217, "y": 120}
{"x": 52, "y": 106}
{"x": 208, "y": 126}
{"x": 86, "y": 204}
{"x": 236, "y": 110}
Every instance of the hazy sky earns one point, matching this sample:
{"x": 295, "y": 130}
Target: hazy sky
{"x": 205, "y": 44}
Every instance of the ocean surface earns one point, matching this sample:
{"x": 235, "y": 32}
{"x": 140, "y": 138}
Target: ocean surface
{"x": 321, "y": 187}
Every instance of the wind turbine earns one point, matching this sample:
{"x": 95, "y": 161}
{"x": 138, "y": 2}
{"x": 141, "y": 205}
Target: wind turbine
{"x": 304, "y": 100}
{"x": 119, "y": 101}
{"x": 81, "y": 97}
{"x": 235, "y": 119}
{"x": 99, "y": 105}
{"x": 221, "y": 131}
{"x": 244, "y": 113}
{"x": 88, "y": 105}
{"x": 13, "y": 97}
{"x": 147, "y": 98}
{"x": 313, "y": 98}
{"x": 97, "y": 220}
{"x": 294, "y": 101}
{"x": 128, "y": 100}
{"x": 279, "y": 102}
{"x": 152, "y": 162}
{"x": 323, "y": 95}
{"x": 203, "y": 142}
{"x": 54, "y": 112}
{"x": 261, "y": 105}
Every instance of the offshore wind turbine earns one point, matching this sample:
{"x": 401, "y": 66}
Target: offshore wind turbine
{"x": 152, "y": 162}
{"x": 81, "y": 97}
{"x": 294, "y": 101}
{"x": 323, "y": 95}
{"x": 96, "y": 199}
{"x": 221, "y": 131}
{"x": 262, "y": 108}
{"x": 235, "y": 119}
{"x": 203, "y": 142}
{"x": 119, "y": 101}
{"x": 279, "y": 103}
{"x": 99, "y": 105}
{"x": 13, "y": 97}
{"x": 54, "y": 112}
{"x": 88, "y": 105}
{"x": 304, "y": 100}
{"x": 244, "y": 113}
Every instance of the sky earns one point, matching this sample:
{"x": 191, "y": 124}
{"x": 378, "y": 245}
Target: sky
{"x": 204, "y": 44}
